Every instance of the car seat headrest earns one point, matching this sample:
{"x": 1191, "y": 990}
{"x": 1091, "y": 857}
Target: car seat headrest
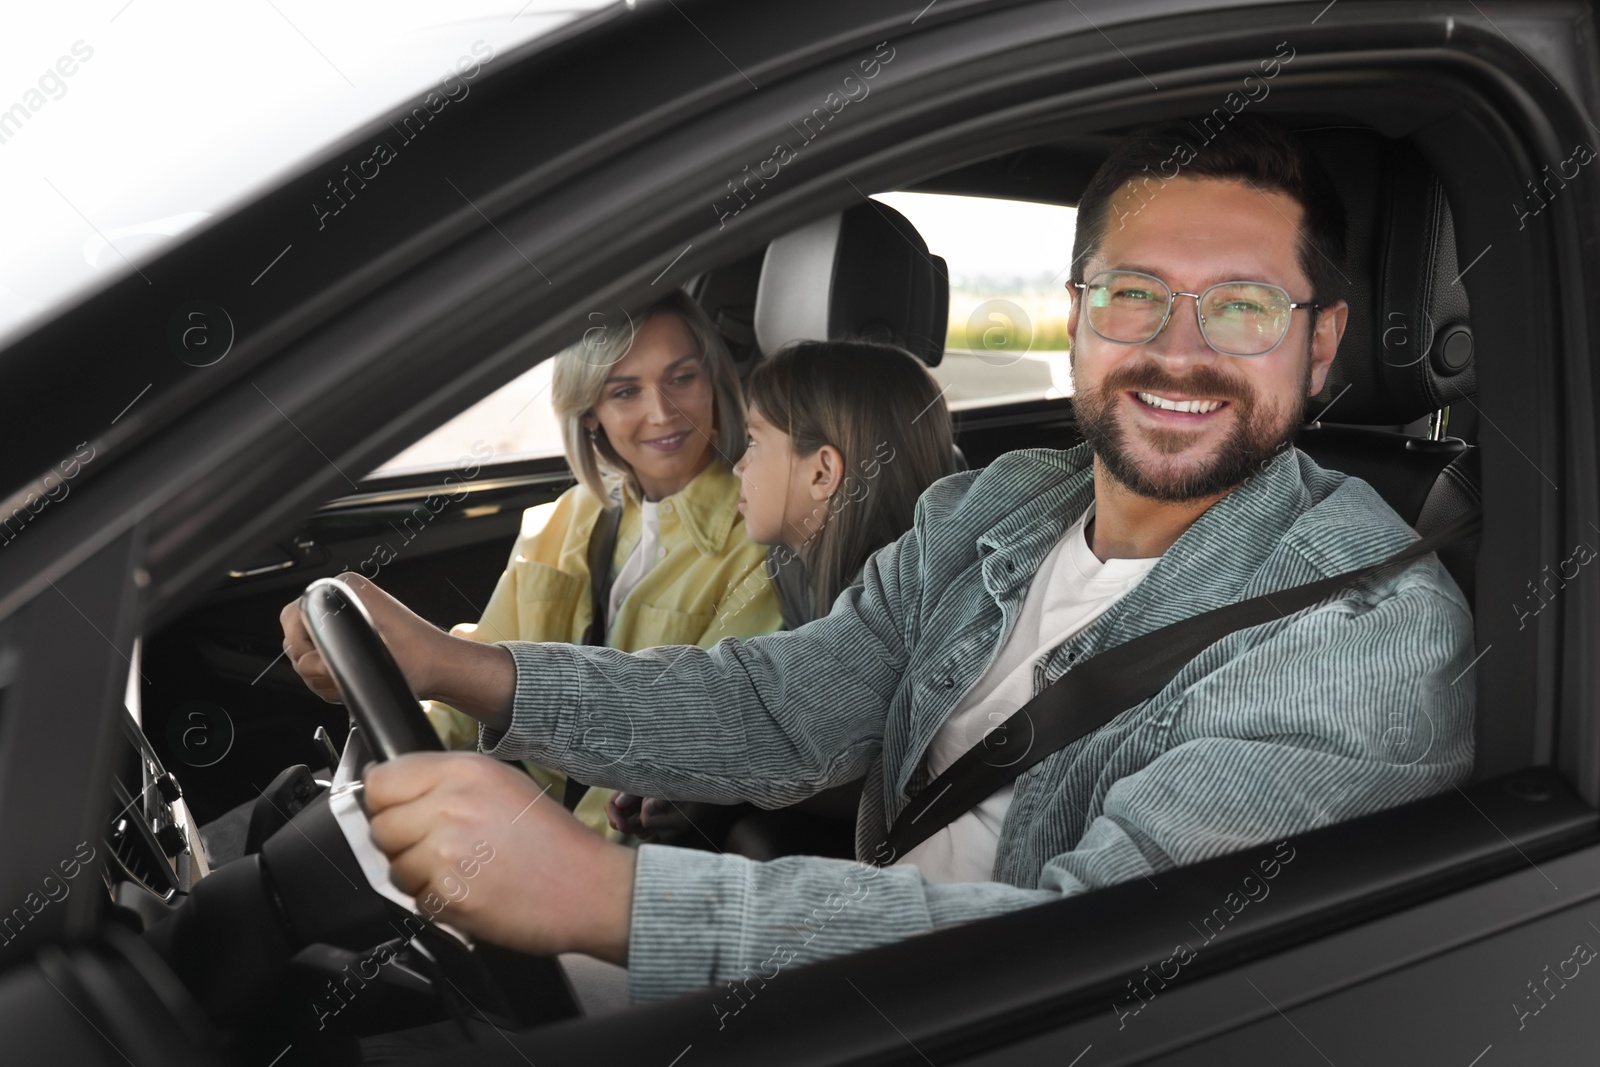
{"x": 863, "y": 273}
{"x": 1407, "y": 349}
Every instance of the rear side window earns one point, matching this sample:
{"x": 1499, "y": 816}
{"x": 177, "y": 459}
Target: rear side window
{"x": 516, "y": 421}
{"x": 1008, "y": 266}
{"x": 1006, "y": 342}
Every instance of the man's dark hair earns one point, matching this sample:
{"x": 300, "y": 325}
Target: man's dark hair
{"x": 1249, "y": 149}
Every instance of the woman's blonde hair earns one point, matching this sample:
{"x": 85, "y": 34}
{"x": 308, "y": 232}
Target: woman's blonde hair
{"x": 579, "y": 378}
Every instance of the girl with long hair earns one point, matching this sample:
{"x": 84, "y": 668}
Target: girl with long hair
{"x": 843, "y": 438}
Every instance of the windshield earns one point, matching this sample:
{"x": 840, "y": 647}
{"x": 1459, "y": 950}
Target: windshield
{"x": 125, "y": 123}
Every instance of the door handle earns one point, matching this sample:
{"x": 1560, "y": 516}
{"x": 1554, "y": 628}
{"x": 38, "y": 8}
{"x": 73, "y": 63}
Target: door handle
{"x": 268, "y": 569}
{"x": 300, "y": 549}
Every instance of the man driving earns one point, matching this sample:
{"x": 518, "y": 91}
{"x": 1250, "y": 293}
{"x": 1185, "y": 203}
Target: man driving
{"x": 1205, "y": 311}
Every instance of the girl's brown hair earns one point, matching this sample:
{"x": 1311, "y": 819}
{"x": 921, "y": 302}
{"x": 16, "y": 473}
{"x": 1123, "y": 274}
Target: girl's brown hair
{"x": 878, "y": 405}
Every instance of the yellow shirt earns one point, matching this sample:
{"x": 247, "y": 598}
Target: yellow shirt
{"x": 707, "y": 583}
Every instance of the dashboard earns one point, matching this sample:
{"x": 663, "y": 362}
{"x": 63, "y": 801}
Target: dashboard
{"x": 153, "y": 850}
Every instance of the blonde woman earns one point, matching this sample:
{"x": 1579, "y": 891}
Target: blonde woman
{"x": 653, "y": 420}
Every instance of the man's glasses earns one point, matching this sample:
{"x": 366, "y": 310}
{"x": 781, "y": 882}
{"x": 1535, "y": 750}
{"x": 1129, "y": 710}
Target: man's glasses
{"x": 1128, "y": 307}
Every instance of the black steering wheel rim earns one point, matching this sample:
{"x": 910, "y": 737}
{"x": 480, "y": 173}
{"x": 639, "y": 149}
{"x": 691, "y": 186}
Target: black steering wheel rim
{"x": 392, "y": 723}
{"x": 374, "y": 689}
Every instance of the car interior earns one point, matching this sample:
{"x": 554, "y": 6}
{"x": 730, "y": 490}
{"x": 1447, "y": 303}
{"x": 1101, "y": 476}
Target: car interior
{"x": 228, "y": 727}
{"x": 863, "y": 271}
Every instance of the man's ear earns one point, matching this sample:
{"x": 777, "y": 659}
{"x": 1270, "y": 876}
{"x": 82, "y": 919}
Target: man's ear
{"x": 827, "y": 472}
{"x": 1325, "y": 342}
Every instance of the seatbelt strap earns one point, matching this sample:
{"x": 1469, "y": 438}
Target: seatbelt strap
{"x": 1099, "y": 689}
{"x": 602, "y": 546}
{"x": 573, "y": 792}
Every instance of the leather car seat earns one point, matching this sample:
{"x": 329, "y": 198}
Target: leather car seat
{"x": 1407, "y": 350}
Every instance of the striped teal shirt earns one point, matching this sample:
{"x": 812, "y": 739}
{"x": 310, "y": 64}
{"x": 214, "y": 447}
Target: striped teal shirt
{"x": 1345, "y": 708}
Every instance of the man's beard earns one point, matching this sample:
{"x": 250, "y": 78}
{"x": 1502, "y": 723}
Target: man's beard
{"x": 1260, "y": 432}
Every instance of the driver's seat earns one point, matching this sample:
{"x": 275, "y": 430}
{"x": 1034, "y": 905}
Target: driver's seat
{"x": 1407, "y": 351}
{"x": 1407, "y": 355}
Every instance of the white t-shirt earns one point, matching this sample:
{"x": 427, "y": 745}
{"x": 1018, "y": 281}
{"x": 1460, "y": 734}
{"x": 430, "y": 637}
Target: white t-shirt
{"x": 639, "y": 561}
{"x": 1071, "y": 589}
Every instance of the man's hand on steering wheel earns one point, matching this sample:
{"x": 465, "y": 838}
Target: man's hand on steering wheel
{"x": 480, "y": 845}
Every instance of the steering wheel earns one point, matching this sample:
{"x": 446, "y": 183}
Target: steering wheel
{"x": 306, "y": 888}
{"x": 377, "y": 694}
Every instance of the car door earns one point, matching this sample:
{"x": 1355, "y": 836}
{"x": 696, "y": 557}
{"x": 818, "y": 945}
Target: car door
{"x": 67, "y": 988}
